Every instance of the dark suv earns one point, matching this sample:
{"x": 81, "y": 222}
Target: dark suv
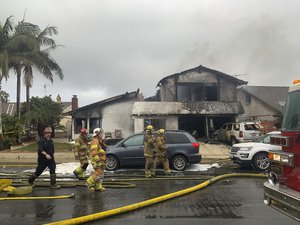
{"x": 182, "y": 150}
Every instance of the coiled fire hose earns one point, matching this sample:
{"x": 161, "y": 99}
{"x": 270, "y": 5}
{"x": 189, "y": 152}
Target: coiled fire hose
{"x": 112, "y": 212}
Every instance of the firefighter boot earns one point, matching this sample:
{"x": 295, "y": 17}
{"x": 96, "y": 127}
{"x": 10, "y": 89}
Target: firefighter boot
{"x": 99, "y": 187}
{"x": 53, "y": 182}
{"x": 31, "y": 179}
{"x": 90, "y": 183}
{"x": 79, "y": 172}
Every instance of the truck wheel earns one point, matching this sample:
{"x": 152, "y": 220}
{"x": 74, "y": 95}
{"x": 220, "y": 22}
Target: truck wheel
{"x": 112, "y": 163}
{"x": 261, "y": 161}
{"x": 179, "y": 162}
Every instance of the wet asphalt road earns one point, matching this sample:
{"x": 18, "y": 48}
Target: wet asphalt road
{"x": 230, "y": 201}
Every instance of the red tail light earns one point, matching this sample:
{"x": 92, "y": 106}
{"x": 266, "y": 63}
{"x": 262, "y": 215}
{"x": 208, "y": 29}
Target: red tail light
{"x": 241, "y": 134}
{"x": 195, "y": 144}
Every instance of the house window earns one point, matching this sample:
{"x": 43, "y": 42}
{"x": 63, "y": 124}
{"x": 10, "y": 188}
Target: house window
{"x": 80, "y": 123}
{"x": 94, "y": 123}
{"x": 211, "y": 93}
{"x": 197, "y": 92}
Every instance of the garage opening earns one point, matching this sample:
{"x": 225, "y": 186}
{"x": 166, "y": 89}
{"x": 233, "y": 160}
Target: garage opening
{"x": 202, "y": 127}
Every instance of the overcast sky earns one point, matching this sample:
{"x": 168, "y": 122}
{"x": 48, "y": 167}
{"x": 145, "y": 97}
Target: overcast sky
{"x": 115, "y": 46}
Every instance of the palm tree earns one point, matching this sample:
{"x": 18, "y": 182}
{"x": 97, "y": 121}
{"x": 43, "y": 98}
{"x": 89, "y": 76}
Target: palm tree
{"x": 47, "y": 65}
{"x": 5, "y": 32}
{"x": 28, "y": 44}
{"x": 12, "y": 46}
{"x": 35, "y": 55}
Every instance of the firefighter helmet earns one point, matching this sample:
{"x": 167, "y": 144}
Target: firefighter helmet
{"x": 97, "y": 131}
{"x": 47, "y": 130}
{"x": 83, "y": 131}
{"x": 161, "y": 131}
{"x": 149, "y": 127}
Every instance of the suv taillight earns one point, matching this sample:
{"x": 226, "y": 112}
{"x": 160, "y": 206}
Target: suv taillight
{"x": 241, "y": 134}
{"x": 195, "y": 145}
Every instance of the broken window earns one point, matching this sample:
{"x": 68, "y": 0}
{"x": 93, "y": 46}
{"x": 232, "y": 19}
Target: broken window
{"x": 197, "y": 92}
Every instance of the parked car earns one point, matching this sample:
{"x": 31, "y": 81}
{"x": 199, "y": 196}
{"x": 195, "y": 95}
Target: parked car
{"x": 254, "y": 153}
{"x": 182, "y": 150}
{"x": 238, "y": 132}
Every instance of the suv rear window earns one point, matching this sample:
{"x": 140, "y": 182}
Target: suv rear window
{"x": 250, "y": 127}
{"x": 236, "y": 126}
{"x": 176, "y": 138}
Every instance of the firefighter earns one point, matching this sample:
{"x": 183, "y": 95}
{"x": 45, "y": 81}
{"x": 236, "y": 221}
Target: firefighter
{"x": 45, "y": 159}
{"x": 98, "y": 157}
{"x": 81, "y": 151}
{"x": 149, "y": 152}
{"x": 161, "y": 149}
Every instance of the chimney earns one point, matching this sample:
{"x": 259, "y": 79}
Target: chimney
{"x": 74, "y": 102}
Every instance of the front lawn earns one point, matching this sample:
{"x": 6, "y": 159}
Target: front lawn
{"x": 59, "y": 147}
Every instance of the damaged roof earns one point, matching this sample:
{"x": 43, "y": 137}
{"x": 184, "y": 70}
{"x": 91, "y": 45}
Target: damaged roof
{"x": 181, "y": 108}
{"x": 201, "y": 69}
{"x": 106, "y": 101}
{"x": 273, "y": 97}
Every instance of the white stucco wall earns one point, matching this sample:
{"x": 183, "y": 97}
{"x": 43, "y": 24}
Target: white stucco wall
{"x": 118, "y": 116}
{"x": 138, "y": 125}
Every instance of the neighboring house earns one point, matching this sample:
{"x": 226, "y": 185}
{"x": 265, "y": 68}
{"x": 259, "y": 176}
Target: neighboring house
{"x": 113, "y": 115}
{"x": 197, "y": 100}
{"x": 262, "y": 103}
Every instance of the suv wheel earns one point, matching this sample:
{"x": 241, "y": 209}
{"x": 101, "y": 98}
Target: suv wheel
{"x": 112, "y": 163}
{"x": 261, "y": 161}
{"x": 179, "y": 162}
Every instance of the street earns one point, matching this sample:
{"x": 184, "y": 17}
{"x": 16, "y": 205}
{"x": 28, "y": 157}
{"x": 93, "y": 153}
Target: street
{"x": 229, "y": 201}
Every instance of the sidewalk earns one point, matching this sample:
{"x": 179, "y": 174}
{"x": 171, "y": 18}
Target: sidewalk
{"x": 209, "y": 152}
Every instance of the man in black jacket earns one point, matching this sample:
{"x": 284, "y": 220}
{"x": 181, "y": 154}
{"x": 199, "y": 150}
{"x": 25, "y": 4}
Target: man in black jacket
{"x": 45, "y": 159}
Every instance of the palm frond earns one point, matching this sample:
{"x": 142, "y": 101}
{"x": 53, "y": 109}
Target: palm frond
{"x": 27, "y": 28}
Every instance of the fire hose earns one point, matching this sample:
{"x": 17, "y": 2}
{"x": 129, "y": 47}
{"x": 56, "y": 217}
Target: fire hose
{"x": 116, "y": 211}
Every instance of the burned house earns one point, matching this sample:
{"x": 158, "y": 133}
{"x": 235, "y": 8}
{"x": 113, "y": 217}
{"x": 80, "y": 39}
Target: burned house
{"x": 113, "y": 115}
{"x": 197, "y": 100}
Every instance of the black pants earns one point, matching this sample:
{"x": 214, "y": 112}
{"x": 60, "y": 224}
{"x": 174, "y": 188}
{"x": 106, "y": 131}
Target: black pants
{"x": 43, "y": 164}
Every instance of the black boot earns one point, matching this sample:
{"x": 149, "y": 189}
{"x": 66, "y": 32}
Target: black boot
{"x": 53, "y": 181}
{"x": 31, "y": 179}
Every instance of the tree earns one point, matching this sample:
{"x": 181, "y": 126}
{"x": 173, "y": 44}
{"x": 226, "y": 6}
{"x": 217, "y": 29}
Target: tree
{"x": 35, "y": 55}
{"x": 21, "y": 48}
{"x": 43, "y": 112}
{"x": 42, "y": 59}
{"x": 9, "y": 52}
{"x": 5, "y": 31}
